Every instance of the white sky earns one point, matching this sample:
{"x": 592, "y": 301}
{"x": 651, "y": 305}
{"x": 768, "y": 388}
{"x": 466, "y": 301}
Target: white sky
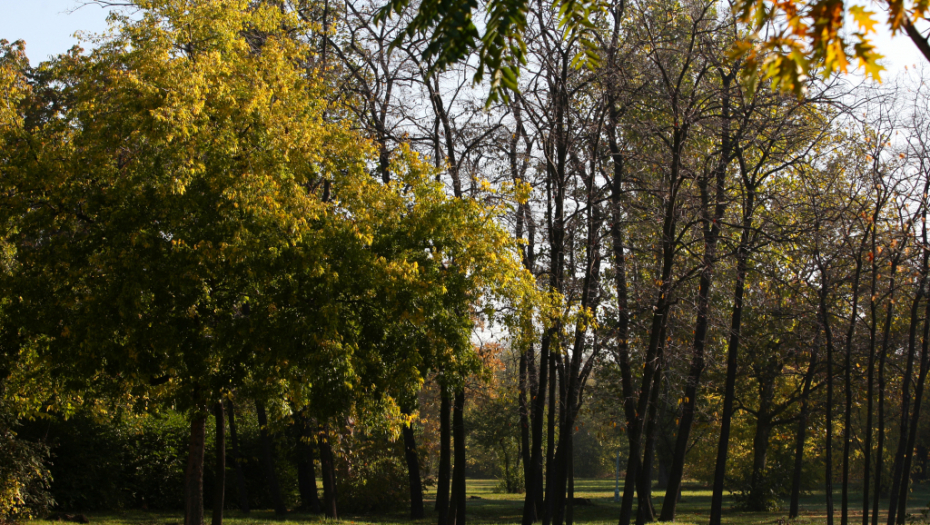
{"x": 48, "y": 27}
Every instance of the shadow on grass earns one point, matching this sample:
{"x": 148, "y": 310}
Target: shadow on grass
{"x": 485, "y": 506}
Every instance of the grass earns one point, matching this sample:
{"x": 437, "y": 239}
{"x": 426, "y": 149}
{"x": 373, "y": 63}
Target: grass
{"x": 487, "y": 507}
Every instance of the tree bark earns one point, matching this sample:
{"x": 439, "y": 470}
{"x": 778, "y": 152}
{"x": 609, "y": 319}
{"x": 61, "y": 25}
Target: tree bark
{"x": 235, "y": 457}
{"x": 457, "y": 508}
{"x": 897, "y": 469}
{"x": 193, "y": 479}
{"x": 711, "y": 231}
{"x": 271, "y": 476}
{"x": 646, "y": 512}
{"x": 897, "y": 472}
{"x": 306, "y": 471}
{"x": 413, "y": 471}
{"x": 847, "y": 384}
{"x": 219, "y": 488}
{"x": 531, "y": 504}
{"x": 550, "y": 444}
{"x": 328, "y": 472}
{"x": 881, "y": 391}
{"x": 873, "y": 327}
{"x": 570, "y": 506}
{"x": 800, "y": 438}
{"x": 525, "y": 418}
{"x": 445, "y": 456}
{"x": 729, "y": 394}
{"x": 915, "y": 418}
{"x": 828, "y": 440}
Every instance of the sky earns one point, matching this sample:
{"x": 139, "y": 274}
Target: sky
{"x": 48, "y": 27}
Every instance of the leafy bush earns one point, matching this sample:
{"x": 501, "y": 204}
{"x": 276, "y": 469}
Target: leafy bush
{"x": 24, "y": 476}
{"x": 100, "y": 465}
{"x": 112, "y": 464}
{"x": 371, "y": 475}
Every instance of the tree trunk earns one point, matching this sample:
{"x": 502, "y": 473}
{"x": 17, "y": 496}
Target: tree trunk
{"x": 193, "y": 479}
{"x": 570, "y": 506}
{"x": 328, "y": 472}
{"x": 760, "y": 448}
{"x": 711, "y": 232}
{"x": 531, "y": 504}
{"x": 271, "y": 477}
{"x": 445, "y": 456}
{"x": 306, "y": 471}
{"x": 457, "y": 509}
{"x": 646, "y": 512}
{"x": 867, "y": 447}
{"x": 413, "y": 471}
{"x": 550, "y": 444}
{"x": 881, "y": 391}
{"x": 525, "y": 419}
{"x": 659, "y": 314}
{"x": 897, "y": 469}
{"x": 800, "y": 437}
{"x": 235, "y": 457}
{"x": 729, "y": 393}
{"x": 828, "y": 441}
{"x": 219, "y": 488}
{"x": 897, "y": 472}
{"x": 847, "y": 384}
{"x": 915, "y": 418}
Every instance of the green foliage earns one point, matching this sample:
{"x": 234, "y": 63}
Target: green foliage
{"x": 453, "y": 35}
{"x": 100, "y": 463}
{"x": 371, "y": 476}
{"x": 24, "y": 475}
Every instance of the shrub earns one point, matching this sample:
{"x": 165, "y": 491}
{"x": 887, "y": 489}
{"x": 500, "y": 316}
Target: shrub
{"x": 24, "y": 475}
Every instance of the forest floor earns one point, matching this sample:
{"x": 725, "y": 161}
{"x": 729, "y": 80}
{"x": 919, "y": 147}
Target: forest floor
{"x": 487, "y": 507}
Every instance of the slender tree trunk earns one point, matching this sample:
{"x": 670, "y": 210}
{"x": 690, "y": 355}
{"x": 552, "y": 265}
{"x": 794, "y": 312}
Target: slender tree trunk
{"x": 525, "y": 419}
{"x": 729, "y": 393}
{"x": 559, "y": 479}
{"x": 897, "y": 472}
{"x": 659, "y": 313}
{"x": 219, "y": 486}
{"x": 413, "y": 471}
{"x": 897, "y": 469}
{"x": 570, "y": 507}
{"x": 240, "y": 476}
{"x": 458, "y": 435}
{"x": 306, "y": 472}
{"x": 873, "y": 326}
{"x": 646, "y": 511}
{"x": 760, "y": 448}
{"x": 271, "y": 477}
{"x": 328, "y": 472}
{"x": 711, "y": 231}
{"x": 445, "y": 456}
{"x": 800, "y": 438}
{"x": 828, "y": 440}
{"x": 533, "y": 490}
{"x": 193, "y": 480}
{"x": 550, "y": 445}
{"x": 881, "y": 391}
{"x": 847, "y": 384}
{"x": 915, "y": 417}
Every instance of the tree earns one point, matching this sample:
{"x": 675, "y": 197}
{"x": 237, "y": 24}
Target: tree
{"x": 189, "y": 220}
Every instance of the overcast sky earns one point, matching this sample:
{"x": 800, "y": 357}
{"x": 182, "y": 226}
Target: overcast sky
{"x": 48, "y": 27}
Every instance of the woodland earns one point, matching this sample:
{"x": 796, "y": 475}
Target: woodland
{"x": 617, "y": 261}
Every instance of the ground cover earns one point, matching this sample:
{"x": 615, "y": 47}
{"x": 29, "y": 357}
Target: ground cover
{"x": 485, "y": 506}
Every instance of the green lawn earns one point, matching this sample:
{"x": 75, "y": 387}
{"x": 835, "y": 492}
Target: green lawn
{"x": 486, "y": 507}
